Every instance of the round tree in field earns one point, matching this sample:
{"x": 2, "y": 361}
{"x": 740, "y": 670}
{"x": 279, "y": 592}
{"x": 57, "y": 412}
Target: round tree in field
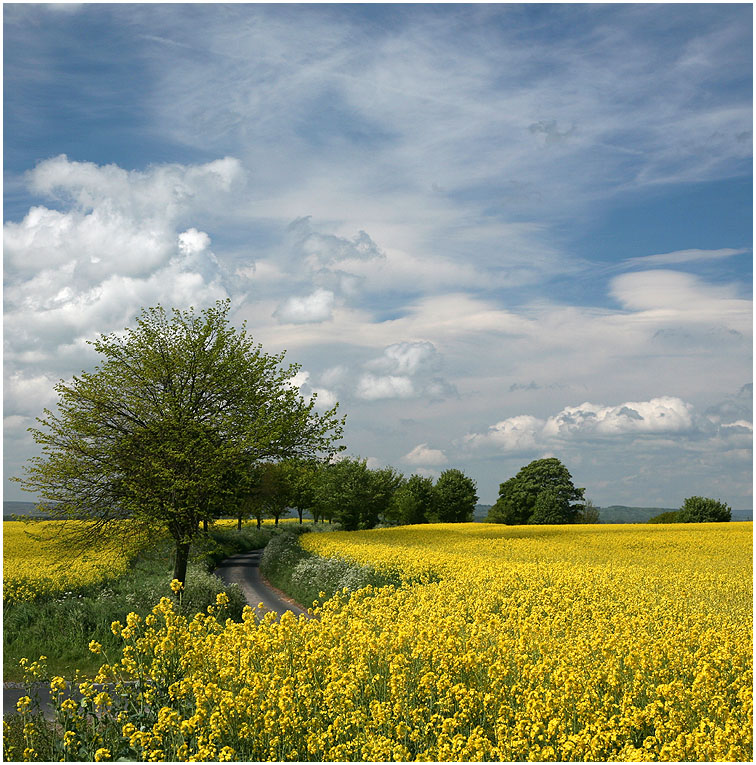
{"x": 518, "y": 500}
{"x": 155, "y": 435}
{"x": 456, "y": 496}
{"x": 703, "y": 510}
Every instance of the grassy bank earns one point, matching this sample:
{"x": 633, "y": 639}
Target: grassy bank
{"x": 304, "y": 576}
{"x": 61, "y": 625}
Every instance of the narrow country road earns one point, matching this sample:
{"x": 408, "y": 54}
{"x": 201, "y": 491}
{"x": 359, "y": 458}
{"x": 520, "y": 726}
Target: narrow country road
{"x": 242, "y": 569}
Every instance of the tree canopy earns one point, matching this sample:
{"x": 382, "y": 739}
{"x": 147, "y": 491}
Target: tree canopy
{"x": 414, "y": 501}
{"x": 542, "y": 492}
{"x": 350, "y": 493}
{"x": 456, "y": 497}
{"x": 703, "y": 510}
{"x": 177, "y": 406}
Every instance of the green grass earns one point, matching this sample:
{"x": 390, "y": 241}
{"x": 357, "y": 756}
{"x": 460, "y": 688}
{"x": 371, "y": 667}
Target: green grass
{"x": 60, "y": 626}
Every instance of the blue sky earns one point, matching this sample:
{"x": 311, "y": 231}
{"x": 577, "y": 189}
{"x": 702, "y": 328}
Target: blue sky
{"x": 493, "y": 233}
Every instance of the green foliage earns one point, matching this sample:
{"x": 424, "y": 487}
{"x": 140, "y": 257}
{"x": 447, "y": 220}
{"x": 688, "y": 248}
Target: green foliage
{"x": 550, "y": 508}
{"x": 157, "y": 433}
{"x": 414, "y": 501}
{"x": 518, "y": 496}
{"x": 351, "y": 494}
{"x": 704, "y": 510}
{"x": 588, "y": 513}
{"x": 456, "y": 496}
{"x": 670, "y": 516}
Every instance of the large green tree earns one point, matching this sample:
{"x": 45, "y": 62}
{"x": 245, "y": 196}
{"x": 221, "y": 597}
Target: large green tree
{"x": 519, "y": 503}
{"x": 414, "y": 501}
{"x": 703, "y": 510}
{"x": 353, "y": 495}
{"x": 177, "y": 405}
{"x": 456, "y": 497}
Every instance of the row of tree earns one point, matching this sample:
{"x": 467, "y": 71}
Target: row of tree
{"x": 350, "y": 493}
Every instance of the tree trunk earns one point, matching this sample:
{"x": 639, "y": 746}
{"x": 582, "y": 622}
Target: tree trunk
{"x": 238, "y": 523}
{"x": 182, "y": 558}
{"x": 204, "y": 525}
{"x": 276, "y": 520}
{"x": 258, "y": 523}
{"x": 300, "y": 515}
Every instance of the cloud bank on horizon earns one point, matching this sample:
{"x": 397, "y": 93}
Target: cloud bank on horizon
{"x": 492, "y": 233}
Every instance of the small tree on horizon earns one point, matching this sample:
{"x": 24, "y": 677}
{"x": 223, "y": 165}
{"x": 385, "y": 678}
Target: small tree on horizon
{"x": 177, "y": 405}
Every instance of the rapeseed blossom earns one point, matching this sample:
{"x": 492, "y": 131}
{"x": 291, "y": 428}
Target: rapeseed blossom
{"x": 37, "y": 560}
{"x": 601, "y": 643}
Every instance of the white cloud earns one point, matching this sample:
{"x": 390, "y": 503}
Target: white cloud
{"x": 192, "y": 241}
{"x": 370, "y": 387}
{"x": 406, "y": 358}
{"x": 515, "y": 434}
{"x": 666, "y": 414}
{"x": 114, "y": 247}
{"x": 422, "y": 455}
{"x": 684, "y": 256}
{"x": 313, "y": 308}
{"x": 326, "y": 399}
{"x": 660, "y": 416}
{"x": 683, "y": 296}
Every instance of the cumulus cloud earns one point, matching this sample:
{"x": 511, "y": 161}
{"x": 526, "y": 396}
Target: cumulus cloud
{"x": 404, "y": 370}
{"x": 666, "y": 414}
{"x": 114, "y": 245}
{"x": 515, "y": 434}
{"x": 662, "y": 416}
{"x": 422, "y": 455}
{"x": 407, "y": 358}
{"x": 370, "y": 387}
{"x": 312, "y": 308}
{"x": 192, "y": 241}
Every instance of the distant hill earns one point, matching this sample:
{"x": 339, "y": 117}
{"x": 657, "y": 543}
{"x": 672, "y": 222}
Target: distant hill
{"x": 25, "y": 509}
{"x": 626, "y": 513}
{"x": 610, "y": 514}
{"x": 481, "y": 511}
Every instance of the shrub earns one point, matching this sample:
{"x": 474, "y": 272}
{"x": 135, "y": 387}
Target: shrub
{"x": 671, "y": 516}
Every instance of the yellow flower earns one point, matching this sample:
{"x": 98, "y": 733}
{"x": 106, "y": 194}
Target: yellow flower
{"x": 23, "y": 704}
{"x": 94, "y": 646}
{"x": 102, "y": 755}
{"x": 176, "y": 586}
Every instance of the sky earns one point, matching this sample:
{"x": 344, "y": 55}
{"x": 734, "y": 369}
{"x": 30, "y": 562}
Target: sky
{"x": 493, "y": 233}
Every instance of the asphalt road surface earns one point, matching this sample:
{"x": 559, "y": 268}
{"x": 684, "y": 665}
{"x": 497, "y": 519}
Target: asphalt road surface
{"x": 242, "y": 569}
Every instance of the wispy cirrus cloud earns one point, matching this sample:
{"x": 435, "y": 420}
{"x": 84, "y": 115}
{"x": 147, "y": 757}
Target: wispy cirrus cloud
{"x": 684, "y": 256}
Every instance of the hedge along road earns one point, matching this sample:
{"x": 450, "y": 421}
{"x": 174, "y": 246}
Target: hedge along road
{"x": 242, "y": 569}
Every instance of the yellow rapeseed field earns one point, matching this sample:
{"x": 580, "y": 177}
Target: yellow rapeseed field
{"x": 38, "y": 559}
{"x": 608, "y": 643}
